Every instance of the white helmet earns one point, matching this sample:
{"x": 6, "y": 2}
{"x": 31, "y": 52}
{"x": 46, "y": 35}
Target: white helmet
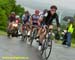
{"x": 17, "y": 16}
{"x": 12, "y": 12}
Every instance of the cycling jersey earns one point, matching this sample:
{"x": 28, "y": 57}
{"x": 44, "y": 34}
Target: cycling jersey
{"x": 43, "y": 16}
{"x": 25, "y": 18}
{"x": 35, "y": 18}
{"x": 49, "y": 18}
{"x": 12, "y": 18}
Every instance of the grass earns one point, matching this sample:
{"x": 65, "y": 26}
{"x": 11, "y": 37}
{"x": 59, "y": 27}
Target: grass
{"x": 72, "y": 44}
{"x": 2, "y": 33}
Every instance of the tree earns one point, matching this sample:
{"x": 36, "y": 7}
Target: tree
{"x": 19, "y": 10}
{"x": 6, "y": 7}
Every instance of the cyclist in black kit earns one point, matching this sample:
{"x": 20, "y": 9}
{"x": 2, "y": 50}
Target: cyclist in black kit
{"x": 48, "y": 19}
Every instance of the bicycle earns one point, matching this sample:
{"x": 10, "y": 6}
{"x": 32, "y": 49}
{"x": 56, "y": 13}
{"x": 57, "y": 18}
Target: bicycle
{"x": 24, "y": 33}
{"x": 33, "y": 34}
{"x": 47, "y": 45}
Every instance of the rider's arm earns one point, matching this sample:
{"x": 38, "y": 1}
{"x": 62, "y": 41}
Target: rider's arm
{"x": 57, "y": 21}
{"x": 40, "y": 20}
{"x": 45, "y": 15}
{"x": 58, "y": 24}
{"x": 31, "y": 20}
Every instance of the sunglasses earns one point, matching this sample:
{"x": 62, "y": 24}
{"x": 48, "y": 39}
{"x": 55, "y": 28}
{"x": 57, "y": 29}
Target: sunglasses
{"x": 53, "y": 10}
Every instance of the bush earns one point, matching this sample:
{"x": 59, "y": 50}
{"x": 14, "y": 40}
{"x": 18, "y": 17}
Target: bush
{"x": 6, "y": 7}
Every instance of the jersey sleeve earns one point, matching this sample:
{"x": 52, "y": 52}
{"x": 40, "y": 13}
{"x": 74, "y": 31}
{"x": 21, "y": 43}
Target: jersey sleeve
{"x": 57, "y": 21}
{"x": 23, "y": 17}
{"x": 45, "y": 14}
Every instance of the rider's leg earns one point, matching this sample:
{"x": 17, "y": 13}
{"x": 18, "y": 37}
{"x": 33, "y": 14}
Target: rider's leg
{"x": 51, "y": 27}
{"x": 39, "y": 32}
{"x": 42, "y": 35}
{"x": 27, "y": 26}
{"x": 28, "y": 29}
{"x": 9, "y": 26}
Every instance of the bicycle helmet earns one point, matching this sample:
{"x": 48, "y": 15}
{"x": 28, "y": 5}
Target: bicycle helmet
{"x": 13, "y": 13}
{"x": 17, "y": 16}
{"x": 37, "y": 11}
{"x": 26, "y": 12}
{"x": 53, "y": 7}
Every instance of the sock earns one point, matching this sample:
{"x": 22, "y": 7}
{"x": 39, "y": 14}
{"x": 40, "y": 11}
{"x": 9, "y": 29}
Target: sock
{"x": 28, "y": 33}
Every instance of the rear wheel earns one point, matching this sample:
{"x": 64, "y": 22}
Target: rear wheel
{"x": 8, "y": 33}
{"x": 14, "y": 33}
{"x": 33, "y": 35}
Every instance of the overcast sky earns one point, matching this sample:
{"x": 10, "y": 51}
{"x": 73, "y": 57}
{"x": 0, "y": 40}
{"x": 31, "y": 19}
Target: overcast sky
{"x": 64, "y": 3}
{"x": 60, "y": 3}
{"x": 65, "y": 7}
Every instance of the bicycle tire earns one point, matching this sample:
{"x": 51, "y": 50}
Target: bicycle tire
{"x": 33, "y": 36}
{"x": 44, "y": 50}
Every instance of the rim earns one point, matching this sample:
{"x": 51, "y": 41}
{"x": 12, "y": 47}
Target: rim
{"x": 46, "y": 51}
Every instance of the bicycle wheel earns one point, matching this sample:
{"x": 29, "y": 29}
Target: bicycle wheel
{"x": 24, "y": 36}
{"x": 22, "y": 39}
{"x": 46, "y": 49}
{"x": 31, "y": 41}
{"x": 33, "y": 34}
{"x": 43, "y": 51}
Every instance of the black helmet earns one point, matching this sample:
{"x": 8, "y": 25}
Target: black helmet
{"x": 26, "y": 12}
{"x": 53, "y": 7}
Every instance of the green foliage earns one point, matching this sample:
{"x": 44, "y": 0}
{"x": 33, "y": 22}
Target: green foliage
{"x": 73, "y": 35}
{"x": 74, "y": 29}
{"x": 19, "y": 10}
{"x": 6, "y": 7}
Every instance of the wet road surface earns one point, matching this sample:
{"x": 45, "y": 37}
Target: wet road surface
{"x": 15, "y": 47}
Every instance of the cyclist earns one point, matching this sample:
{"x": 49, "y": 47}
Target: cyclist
{"x": 42, "y": 22}
{"x": 50, "y": 16}
{"x": 25, "y": 17}
{"x": 34, "y": 20}
{"x": 25, "y": 20}
{"x": 11, "y": 18}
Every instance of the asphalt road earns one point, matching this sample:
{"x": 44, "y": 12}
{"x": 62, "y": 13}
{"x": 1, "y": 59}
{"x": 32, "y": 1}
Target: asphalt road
{"x": 15, "y": 47}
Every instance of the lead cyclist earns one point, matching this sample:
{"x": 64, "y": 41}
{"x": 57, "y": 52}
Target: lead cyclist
{"x": 47, "y": 20}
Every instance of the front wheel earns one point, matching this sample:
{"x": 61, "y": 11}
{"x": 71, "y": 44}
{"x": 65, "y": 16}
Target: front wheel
{"x": 31, "y": 41}
{"x": 23, "y": 37}
{"x": 46, "y": 49}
